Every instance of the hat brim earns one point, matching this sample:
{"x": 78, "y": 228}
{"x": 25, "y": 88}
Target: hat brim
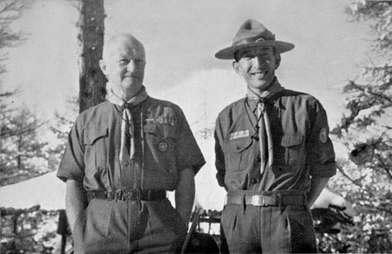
{"x": 228, "y": 53}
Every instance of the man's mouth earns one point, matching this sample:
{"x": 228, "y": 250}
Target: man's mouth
{"x": 259, "y": 74}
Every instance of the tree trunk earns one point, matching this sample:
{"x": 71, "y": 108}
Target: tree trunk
{"x": 92, "y": 81}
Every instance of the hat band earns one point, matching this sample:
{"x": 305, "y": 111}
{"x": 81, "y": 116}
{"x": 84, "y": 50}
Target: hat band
{"x": 251, "y": 40}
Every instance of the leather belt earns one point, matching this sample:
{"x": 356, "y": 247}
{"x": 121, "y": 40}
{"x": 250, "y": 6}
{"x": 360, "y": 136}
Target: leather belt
{"x": 270, "y": 199}
{"x": 128, "y": 195}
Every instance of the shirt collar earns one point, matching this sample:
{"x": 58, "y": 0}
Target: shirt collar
{"x": 254, "y": 99}
{"x": 138, "y": 98}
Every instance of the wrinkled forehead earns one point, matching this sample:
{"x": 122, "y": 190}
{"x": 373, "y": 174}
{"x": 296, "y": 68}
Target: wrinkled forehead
{"x": 123, "y": 45}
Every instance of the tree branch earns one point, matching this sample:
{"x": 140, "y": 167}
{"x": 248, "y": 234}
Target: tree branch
{"x": 356, "y": 182}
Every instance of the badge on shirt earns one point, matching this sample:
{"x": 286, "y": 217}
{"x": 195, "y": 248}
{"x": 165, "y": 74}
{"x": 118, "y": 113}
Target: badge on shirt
{"x": 163, "y": 146}
{"x": 162, "y": 120}
{"x": 239, "y": 134}
{"x": 323, "y": 135}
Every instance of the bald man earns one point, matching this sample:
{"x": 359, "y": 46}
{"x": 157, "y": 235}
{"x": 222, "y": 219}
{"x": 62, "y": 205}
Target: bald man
{"x": 122, "y": 157}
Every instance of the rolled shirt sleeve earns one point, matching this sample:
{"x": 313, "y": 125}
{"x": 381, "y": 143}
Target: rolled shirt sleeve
{"x": 72, "y": 164}
{"x": 320, "y": 148}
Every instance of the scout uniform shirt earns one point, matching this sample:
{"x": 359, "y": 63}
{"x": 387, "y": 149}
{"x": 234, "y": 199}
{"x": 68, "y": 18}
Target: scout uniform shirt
{"x": 301, "y": 145}
{"x": 164, "y": 145}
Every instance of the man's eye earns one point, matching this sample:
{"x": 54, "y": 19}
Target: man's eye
{"x": 138, "y": 61}
{"x": 123, "y": 61}
{"x": 248, "y": 56}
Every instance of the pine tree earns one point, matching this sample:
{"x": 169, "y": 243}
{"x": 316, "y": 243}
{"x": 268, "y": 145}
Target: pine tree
{"x": 366, "y": 131}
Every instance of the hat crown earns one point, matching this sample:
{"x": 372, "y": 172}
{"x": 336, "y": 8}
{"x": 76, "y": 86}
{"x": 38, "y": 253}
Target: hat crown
{"x": 252, "y": 31}
{"x": 253, "y": 34}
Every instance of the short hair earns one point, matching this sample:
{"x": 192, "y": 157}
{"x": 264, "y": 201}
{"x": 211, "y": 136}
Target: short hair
{"x": 116, "y": 38}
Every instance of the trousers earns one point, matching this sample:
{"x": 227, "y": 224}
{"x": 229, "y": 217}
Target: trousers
{"x": 110, "y": 226}
{"x": 270, "y": 229}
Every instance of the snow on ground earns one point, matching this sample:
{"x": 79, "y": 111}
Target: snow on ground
{"x": 46, "y": 190}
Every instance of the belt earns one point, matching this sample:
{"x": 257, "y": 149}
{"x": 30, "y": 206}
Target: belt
{"x": 128, "y": 195}
{"x": 271, "y": 199}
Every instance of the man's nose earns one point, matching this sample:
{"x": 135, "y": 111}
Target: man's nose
{"x": 132, "y": 66}
{"x": 258, "y": 61}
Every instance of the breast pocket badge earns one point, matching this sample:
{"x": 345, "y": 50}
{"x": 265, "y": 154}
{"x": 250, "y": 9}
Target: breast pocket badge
{"x": 163, "y": 146}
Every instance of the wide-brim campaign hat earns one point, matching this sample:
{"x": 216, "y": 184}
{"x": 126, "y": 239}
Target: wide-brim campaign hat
{"x": 253, "y": 34}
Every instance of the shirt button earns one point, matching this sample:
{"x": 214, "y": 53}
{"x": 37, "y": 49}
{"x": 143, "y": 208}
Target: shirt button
{"x": 238, "y": 147}
{"x": 253, "y": 181}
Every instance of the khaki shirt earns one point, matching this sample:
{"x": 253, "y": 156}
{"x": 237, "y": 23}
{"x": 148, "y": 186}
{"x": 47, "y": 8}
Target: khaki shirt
{"x": 164, "y": 145}
{"x": 302, "y": 147}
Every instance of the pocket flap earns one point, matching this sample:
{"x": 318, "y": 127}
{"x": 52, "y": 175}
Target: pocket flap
{"x": 94, "y": 134}
{"x": 292, "y": 139}
{"x": 160, "y": 130}
{"x": 238, "y": 145}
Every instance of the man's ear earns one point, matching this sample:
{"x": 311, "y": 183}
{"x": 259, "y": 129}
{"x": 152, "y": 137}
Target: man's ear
{"x": 277, "y": 61}
{"x": 103, "y": 67}
{"x": 236, "y": 67}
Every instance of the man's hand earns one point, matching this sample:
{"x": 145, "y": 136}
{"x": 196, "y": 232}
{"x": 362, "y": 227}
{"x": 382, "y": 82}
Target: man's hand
{"x": 75, "y": 201}
{"x": 185, "y": 194}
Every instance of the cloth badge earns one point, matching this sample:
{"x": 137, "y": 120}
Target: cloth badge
{"x": 163, "y": 146}
{"x": 239, "y": 134}
{"x": 162, "y": 120}
{"x": 323, "y": 135}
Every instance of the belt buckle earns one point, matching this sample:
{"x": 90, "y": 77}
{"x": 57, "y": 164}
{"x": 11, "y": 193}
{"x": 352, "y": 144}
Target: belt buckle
{"x": 132, "y": 195}
{"x": 258, "y": 200}
{"x": 127, "y": 195}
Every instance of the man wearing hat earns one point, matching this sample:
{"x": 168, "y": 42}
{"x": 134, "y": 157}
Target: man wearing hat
{"x": 273, "y": 153}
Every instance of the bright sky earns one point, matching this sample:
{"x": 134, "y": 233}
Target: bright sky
{"x": 181, "y": 38}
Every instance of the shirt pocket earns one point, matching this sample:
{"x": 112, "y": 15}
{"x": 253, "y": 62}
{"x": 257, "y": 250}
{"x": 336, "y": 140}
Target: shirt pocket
{"x": 96, "y": 145}
{"x": 237, "y": 154}
{"x": 294, "y": 151}
{"x": 161, "y": 142}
